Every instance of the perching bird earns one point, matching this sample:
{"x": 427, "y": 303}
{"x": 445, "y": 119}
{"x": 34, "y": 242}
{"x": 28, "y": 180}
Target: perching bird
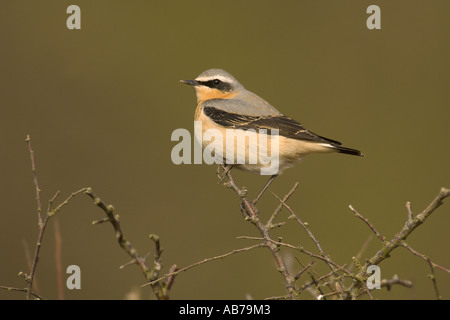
{"x": 224, "y": 103}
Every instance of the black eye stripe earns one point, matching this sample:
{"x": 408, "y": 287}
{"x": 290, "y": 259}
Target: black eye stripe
{"x": 216, "y": 84}
{"x": 210, "y": 83}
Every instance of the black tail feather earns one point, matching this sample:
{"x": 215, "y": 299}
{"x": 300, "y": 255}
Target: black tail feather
{"x": 345, "y": 150}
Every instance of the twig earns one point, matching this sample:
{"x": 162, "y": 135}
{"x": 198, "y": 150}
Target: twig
{"x": 35, "y": 180}
{"x": 395, "y": 281}
{"x": 260, "y": 194}
{"x": 162, "y": 284}
{"x": 367, "y": 290}
{"x": 328, "y": 284}
{"x": 285, "y": 297}
{"x": 264, "y": 231}
{"x": 269, "y": 223}
{"x": 397, "y": 241}
{"x": 22, "y": 290}
{"x": 409, "y": 211}
{"x": 424, "y": 257}
{"x": 157, "y": 264}
{"x": 42, "y": 223}
{"x": 361, "y": 251}
{"x": 311, "y": 271}
{"x": 58, "y": 260}
{"x": 432, "y": 276}
{"x": 65, "y": 202}
{"x": 173, "y": 273}
{"x": 303, "y": 270}
{"x": 310, "y": 234}
{"x": 170, "y": 280}
{"x": 150, "y": 274}
{"x": 318, "y": 288}
{"x": 30, "y": 278}
{"x": 30, "y": 263}
{"x": 42, "y": 228}
{"x": 303, "y": 225}
{"x": 52, "y": 200}
{"x": 299, "y": 249}
{"x": 330, "y": 294}
{"x": 385, "y": 283}
{"x": 224, "y": 174}
{"x": 366, "y": 221}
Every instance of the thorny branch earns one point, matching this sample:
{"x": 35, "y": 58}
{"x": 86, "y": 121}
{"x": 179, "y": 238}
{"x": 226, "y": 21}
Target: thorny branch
{"x": 253, "y": 217}
{"x": 42, "y": 224}
{"x": 388, "y": 246}
{"x": 175, "y": 272}
{"x": 330, "y": 285}
{"x": 338, "y": 273}
{"x": 160, "y": 288}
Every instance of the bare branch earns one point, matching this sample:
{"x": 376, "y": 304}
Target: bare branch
{"x": 424, "y": 257}
{"x": 269, "y": 223}
{"x": 409, "y": 211}
{"x": 299, "y": 249}
{"x": 51, "y": 201}
{"x": 432, "y": 277}
{"x": 361, "y": 251}
{"x": 366, "y": 221}
{"x": 331, "y": 285}
{"x": 150, "y": 274}
{"x": 264, "y": 231}
{"x": 58, "y": 260}
{"x": 260, "y": 194}
{"x": 30, "y": 278}
{"x": 35, "y": 180}
{"x": 398, "y": 239}
{"x": 310, "y": 234}
{"x": 26, "y": 290}
{"x": 65, "y": 202}
{"x": 171, "y": 279}
{"x": 173, "y": 273}
{"x": 395, "y": 281}
{"x": 299, "y": 274}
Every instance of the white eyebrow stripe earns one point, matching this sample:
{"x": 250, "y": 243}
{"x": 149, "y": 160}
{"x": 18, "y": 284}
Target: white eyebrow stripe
{"x": 221, "y": 78}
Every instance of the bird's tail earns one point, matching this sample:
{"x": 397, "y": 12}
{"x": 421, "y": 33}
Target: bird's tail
{"x": 345, "y": 150}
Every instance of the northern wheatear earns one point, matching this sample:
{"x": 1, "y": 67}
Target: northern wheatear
{"x": 223, "y": 103}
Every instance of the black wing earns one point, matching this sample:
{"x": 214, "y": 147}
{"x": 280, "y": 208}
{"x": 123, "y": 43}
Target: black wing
{"x": 287, "y": 127}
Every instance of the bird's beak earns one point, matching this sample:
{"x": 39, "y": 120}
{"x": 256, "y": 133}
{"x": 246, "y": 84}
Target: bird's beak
{"x": 190, "y": 82}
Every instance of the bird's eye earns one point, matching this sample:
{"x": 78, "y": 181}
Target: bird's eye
{"x": 217, "y": 82}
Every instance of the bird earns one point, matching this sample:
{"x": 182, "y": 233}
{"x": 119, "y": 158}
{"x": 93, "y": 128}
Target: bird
{"x": 223, "y": 103}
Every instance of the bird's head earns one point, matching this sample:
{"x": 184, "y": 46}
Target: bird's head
{"x": 214, "y": 84}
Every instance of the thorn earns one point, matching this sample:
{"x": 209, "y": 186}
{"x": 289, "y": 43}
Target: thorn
{"x": 127, "y": 264}
{"x": 106, "y": 219}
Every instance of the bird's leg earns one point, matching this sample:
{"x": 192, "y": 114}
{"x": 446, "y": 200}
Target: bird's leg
{"x": 264, "y": 189}
{"x": 218, "y": 171}
{"x": 226, "y": 170}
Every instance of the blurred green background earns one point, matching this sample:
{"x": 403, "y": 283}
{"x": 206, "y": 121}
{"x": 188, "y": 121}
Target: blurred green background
{"x": 101, "y": 103}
